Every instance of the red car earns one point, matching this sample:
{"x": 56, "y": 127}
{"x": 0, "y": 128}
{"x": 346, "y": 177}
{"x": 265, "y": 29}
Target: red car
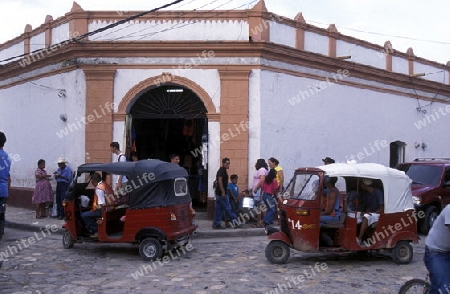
{"x": 430, "y": 187}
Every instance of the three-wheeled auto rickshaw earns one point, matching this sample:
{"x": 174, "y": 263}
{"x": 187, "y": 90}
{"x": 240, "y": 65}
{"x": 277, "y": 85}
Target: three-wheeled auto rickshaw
{"x": 300, "y": 209}
{"x": 153, "y": 210}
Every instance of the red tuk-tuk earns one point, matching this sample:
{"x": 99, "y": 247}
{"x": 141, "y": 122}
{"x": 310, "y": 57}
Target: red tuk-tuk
{"x": 300, "y": 208}
{"x": 155, "y": 213}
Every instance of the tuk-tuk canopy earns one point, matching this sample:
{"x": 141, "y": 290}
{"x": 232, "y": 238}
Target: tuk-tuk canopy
{"x": 396, "y": 184}
{"x": 159, "y": 170}
{"x": 151, "y": 182}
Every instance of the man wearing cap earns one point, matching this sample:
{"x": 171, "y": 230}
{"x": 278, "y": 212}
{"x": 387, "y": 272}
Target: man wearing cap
{"x": 328, "y": 160}
{"x": 63, "y": 177}
{"x": 373, "y": 206}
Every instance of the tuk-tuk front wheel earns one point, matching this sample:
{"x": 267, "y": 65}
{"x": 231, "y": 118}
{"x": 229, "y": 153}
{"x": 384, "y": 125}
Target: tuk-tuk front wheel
{"x": 277, "y": 252}
{"x": 67, "y": 240}
{"x": 150, "y": 249}
{"x": 402, "y": 252}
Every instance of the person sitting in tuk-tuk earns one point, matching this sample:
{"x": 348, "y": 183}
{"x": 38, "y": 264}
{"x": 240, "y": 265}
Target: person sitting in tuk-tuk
{"x": 373, "y": 206}
{"x": 331, "y": 212}
{"x": 102, "y": 191}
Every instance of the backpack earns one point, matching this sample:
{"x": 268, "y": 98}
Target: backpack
{"x": 120, "y": 156}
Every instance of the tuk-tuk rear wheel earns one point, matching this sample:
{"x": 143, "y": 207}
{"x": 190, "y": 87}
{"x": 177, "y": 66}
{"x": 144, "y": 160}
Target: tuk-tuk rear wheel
{"x": 150, "y": 249}
{"x": 277, "y": 252}
{"x": 67, "y": 240}
{"x": 402, "y": 253}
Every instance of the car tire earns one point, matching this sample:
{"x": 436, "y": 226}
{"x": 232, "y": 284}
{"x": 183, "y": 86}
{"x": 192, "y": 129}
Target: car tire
{"x": 402, "y": 253}
{"x": 150, "y": 249}
{"x": 277, "y": 252}
{"x": 67, "y": 240}
{"x": 431, "y": 212}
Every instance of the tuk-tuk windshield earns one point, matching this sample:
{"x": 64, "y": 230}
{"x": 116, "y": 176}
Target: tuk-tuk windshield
{"x": 303, "y": 187}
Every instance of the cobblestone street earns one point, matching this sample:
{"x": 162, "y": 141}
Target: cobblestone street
{"x": 222, "y": 265}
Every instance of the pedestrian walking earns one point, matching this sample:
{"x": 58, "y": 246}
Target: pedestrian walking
{"x": 43, "y": 192}
{"x": 121, "y": 179}
{"x": 63, "y": 177}
{"x": 5, "y": 181}
{"x": 258, "y": 179}
{"x": 222, "y": 202}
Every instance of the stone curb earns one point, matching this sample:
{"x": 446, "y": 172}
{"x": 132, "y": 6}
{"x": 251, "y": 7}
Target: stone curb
{"x": 227, "y": 233}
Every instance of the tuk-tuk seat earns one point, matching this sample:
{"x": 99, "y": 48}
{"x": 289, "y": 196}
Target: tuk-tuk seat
{"x": 338, "y": 224}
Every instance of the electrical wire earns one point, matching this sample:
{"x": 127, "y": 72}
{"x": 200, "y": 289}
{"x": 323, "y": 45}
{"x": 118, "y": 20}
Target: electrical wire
{"x": 382, "y": 34}
{"x": 184, "y": 23}
{"x": 132, "y": 24}
{"x": 420, "y": 107}
{"x": 78, "y": 39}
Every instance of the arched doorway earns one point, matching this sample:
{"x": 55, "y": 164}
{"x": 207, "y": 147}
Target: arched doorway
{"x": 171, "y": 119}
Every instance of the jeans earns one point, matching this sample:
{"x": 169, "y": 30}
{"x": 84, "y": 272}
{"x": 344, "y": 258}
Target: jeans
{"x": 271, "y": 208}
{"x": 61, "y": 189}
{"x": 90, "y": 219}
{"x": 222, "y": 206}
{"x": 234, "y": 207}
{"x": 2, "y": 215}
{"x": 324, "y": 219}
{"x": 438, "y": 265}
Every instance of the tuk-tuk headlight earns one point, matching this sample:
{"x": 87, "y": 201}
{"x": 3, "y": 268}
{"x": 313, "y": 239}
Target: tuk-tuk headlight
{"x": 416, "y": 200}
{"x": 173, "y": 217}
{"x": 302, "y": 212}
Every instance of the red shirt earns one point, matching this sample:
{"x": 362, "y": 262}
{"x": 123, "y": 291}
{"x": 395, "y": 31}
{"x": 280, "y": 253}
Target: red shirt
{"x": 271, "y": 188}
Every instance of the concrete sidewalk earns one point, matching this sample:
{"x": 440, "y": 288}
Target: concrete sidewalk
{"x": 24, "y": 219}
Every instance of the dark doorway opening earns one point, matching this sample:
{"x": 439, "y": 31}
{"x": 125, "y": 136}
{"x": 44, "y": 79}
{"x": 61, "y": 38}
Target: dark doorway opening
{"x": 397, "y": 153}
{"x": 172, "y": 120}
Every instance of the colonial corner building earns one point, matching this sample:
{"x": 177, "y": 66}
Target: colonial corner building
{"x": 242, "y": 84}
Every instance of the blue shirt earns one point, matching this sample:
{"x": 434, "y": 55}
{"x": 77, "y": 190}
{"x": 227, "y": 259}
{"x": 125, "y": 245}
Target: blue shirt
{"x": 373, "y": 200}
{"x": 234, "y": 188}
{"x": 5, "y": 166}
{"x": 67, "y": 173}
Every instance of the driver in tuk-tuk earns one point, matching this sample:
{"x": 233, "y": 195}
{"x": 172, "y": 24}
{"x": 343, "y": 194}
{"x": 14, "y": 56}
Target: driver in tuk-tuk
{"x": 102, "y": 191}
{"x": 331, "y": 212}
{"x": 373, "y": 200}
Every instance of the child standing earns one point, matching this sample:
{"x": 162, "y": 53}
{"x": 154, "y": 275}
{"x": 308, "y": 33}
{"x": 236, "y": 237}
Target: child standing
{"x": 233, "y": 194}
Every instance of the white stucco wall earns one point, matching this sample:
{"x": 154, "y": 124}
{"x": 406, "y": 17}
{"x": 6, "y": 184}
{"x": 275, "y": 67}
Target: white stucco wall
{"x": 399, "y": 65}
{"x": 214, "y": 160}
{"x": 174, "y": 30}
{"x": 431, "y": 73}
{"x": 208, "y": 79}
{"x": 361, "y": 54}
{"x": 14, "y": 50}
{"x": 30, "y": 118}
{"x": 60, "y": 33}
{"x": 37, "y": 42}
{"x": 341, "y": 121}
{"x": 282, "y": 34}
{"x": 254, "y": 131}
{"x": 316, "y": 43}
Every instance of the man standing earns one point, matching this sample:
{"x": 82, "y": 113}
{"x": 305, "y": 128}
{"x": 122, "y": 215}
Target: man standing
{"x": 175, "y": 158}
{"x": 115, "y": 149}
{"x": 437, "y": 253}
{"x": 102, "y": 192}
{"x": 63, "y": 177}
{"x": 328, "y": 160}
{"x": 5, "y": 182}
{"x": 222, "y": 203}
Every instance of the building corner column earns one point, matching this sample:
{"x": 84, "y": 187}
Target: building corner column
{"x": 99, "y": 113}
